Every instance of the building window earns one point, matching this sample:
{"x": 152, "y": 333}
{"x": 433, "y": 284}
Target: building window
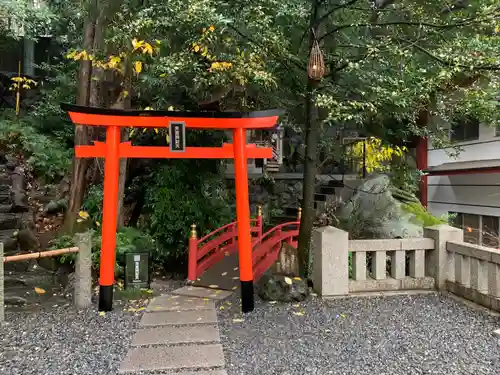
{"x": 464, "y": 129}
{"x": 478, "y": 229}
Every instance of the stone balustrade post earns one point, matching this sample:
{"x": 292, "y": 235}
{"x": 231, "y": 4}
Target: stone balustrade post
{"x": 83, "y": 270}
{"x": 330, "y": 247}
{"x": 440, "y": 263}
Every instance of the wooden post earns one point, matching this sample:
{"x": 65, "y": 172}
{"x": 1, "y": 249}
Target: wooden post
{"x": 193, "y": 254}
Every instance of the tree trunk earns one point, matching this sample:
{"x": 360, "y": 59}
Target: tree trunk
{"x": 310, "y": 167}
{"x": 80, "y": 166}
{"x": 123, "y": 102}
{"x": 309, "y": 180}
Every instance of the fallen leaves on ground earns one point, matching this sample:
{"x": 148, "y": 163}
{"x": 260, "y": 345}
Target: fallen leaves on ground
{"x": 39, "y": 290}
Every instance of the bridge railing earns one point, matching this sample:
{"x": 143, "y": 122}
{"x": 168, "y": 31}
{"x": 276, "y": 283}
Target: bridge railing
{"x": 267, "y": 248}
{"x": 210, "y": 249}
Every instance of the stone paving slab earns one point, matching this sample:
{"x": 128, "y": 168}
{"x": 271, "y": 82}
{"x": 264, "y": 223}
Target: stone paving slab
{"x": 176, "y": 335}
{"x": 179, "y": 303}
{"x": 195, "y": 291}
{"x": 173, "y": 358}
{"x": 168, "y": 318}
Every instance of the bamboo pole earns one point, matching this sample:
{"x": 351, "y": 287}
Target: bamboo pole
{"x": 41, "y": 254}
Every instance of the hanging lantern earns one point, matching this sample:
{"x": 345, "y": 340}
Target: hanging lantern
{"x": 316, "y": 66}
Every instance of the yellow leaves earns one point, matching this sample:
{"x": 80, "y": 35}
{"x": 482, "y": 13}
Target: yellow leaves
{"x": 220, "y": 66}
{"x": 211, "y": 28}
{"x": 497, "y": 29}
{"x": 138, "y": 66}
{"x": 84, "y": 215}
{"x": 102, "y": 313}
{"x": 288, "y": 281}
{"x": 143, "y": 47}
{"x": 377, "y": 155}
{"x": 196, "y": 48}
{"x": 39, "y": 290}
{"x": 298, "y": 313}
{"x": 114, "y": 61}
{"x": 171, "y": 108}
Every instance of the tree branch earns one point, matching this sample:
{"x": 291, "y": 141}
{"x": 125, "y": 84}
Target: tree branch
{"x": 290, "y": 59}
{"x": 449, "y": 63}
{"x": 401, "y": 23}
{"x": 325, "y": 16}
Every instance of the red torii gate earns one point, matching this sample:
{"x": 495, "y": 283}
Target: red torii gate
{"x": 113, "y": 149}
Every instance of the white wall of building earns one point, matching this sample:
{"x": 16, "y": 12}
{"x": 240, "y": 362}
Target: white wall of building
{"x": 469, "y": 193}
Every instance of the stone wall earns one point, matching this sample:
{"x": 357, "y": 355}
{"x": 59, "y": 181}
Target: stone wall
{"x": 17, "y": 227}
{"x": 274, "y": 196}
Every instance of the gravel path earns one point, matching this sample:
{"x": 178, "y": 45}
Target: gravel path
{"x": 401, "y": 335}
{"x": 63, "y": 340}
{"x": 60, "y": 340}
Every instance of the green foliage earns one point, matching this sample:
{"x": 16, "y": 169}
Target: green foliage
{"x": 405, "y": 177}
{"x": 422, "y": 214}
{"x": 46, "y": 156}
{"x": 127, "y": 240}
{"x": 177, "y": 198}
{"x": 93, "y": 204}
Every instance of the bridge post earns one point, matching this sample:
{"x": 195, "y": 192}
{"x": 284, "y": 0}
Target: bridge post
{"x": 243, "y": 218}
{"x": 193, "y": 254}
{"x": 259, "y": 219}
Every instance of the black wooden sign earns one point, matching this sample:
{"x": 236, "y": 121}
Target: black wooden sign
{"x": 177, "y": 132}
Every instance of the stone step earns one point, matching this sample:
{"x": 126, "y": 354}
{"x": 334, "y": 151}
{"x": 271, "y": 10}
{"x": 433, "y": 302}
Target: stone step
{"x": 5, "y": 197}
{"x": 193, "y": 291}
{"x": 176, "y": 335}
{"x": 10, "y": 221}
{"x": 167, "y": 318}
{"x": 5, "y": 208}
{"x": 179, "y": 303}
{"x": 163, "y": 358}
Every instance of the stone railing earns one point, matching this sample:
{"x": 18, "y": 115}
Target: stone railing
{"x": 441, "y": 260}
{"x": 341, "y": 266}
{"x": 389, "y": 264}
{"x": 473, "y": 272}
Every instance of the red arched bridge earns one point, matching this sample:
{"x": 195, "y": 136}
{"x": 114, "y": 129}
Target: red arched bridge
{"x": 213, "y": 259}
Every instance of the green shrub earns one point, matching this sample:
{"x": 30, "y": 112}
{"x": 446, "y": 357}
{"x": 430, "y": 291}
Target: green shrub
{"x": 422, "y": 214}
{"x": 179, "y": 196}
{"x": 93, "y": 204}
{"x": 127, "y": 240}
{"x": 46, "y": 156}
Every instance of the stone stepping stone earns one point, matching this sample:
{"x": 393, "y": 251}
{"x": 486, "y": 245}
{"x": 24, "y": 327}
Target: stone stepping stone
{"x": 195, "y": 291}
{"x": 162, "y": 358}
{"x": 167, "y": 318}
{"x": 176, "y": 335}
{"x": 179, "y": 303}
